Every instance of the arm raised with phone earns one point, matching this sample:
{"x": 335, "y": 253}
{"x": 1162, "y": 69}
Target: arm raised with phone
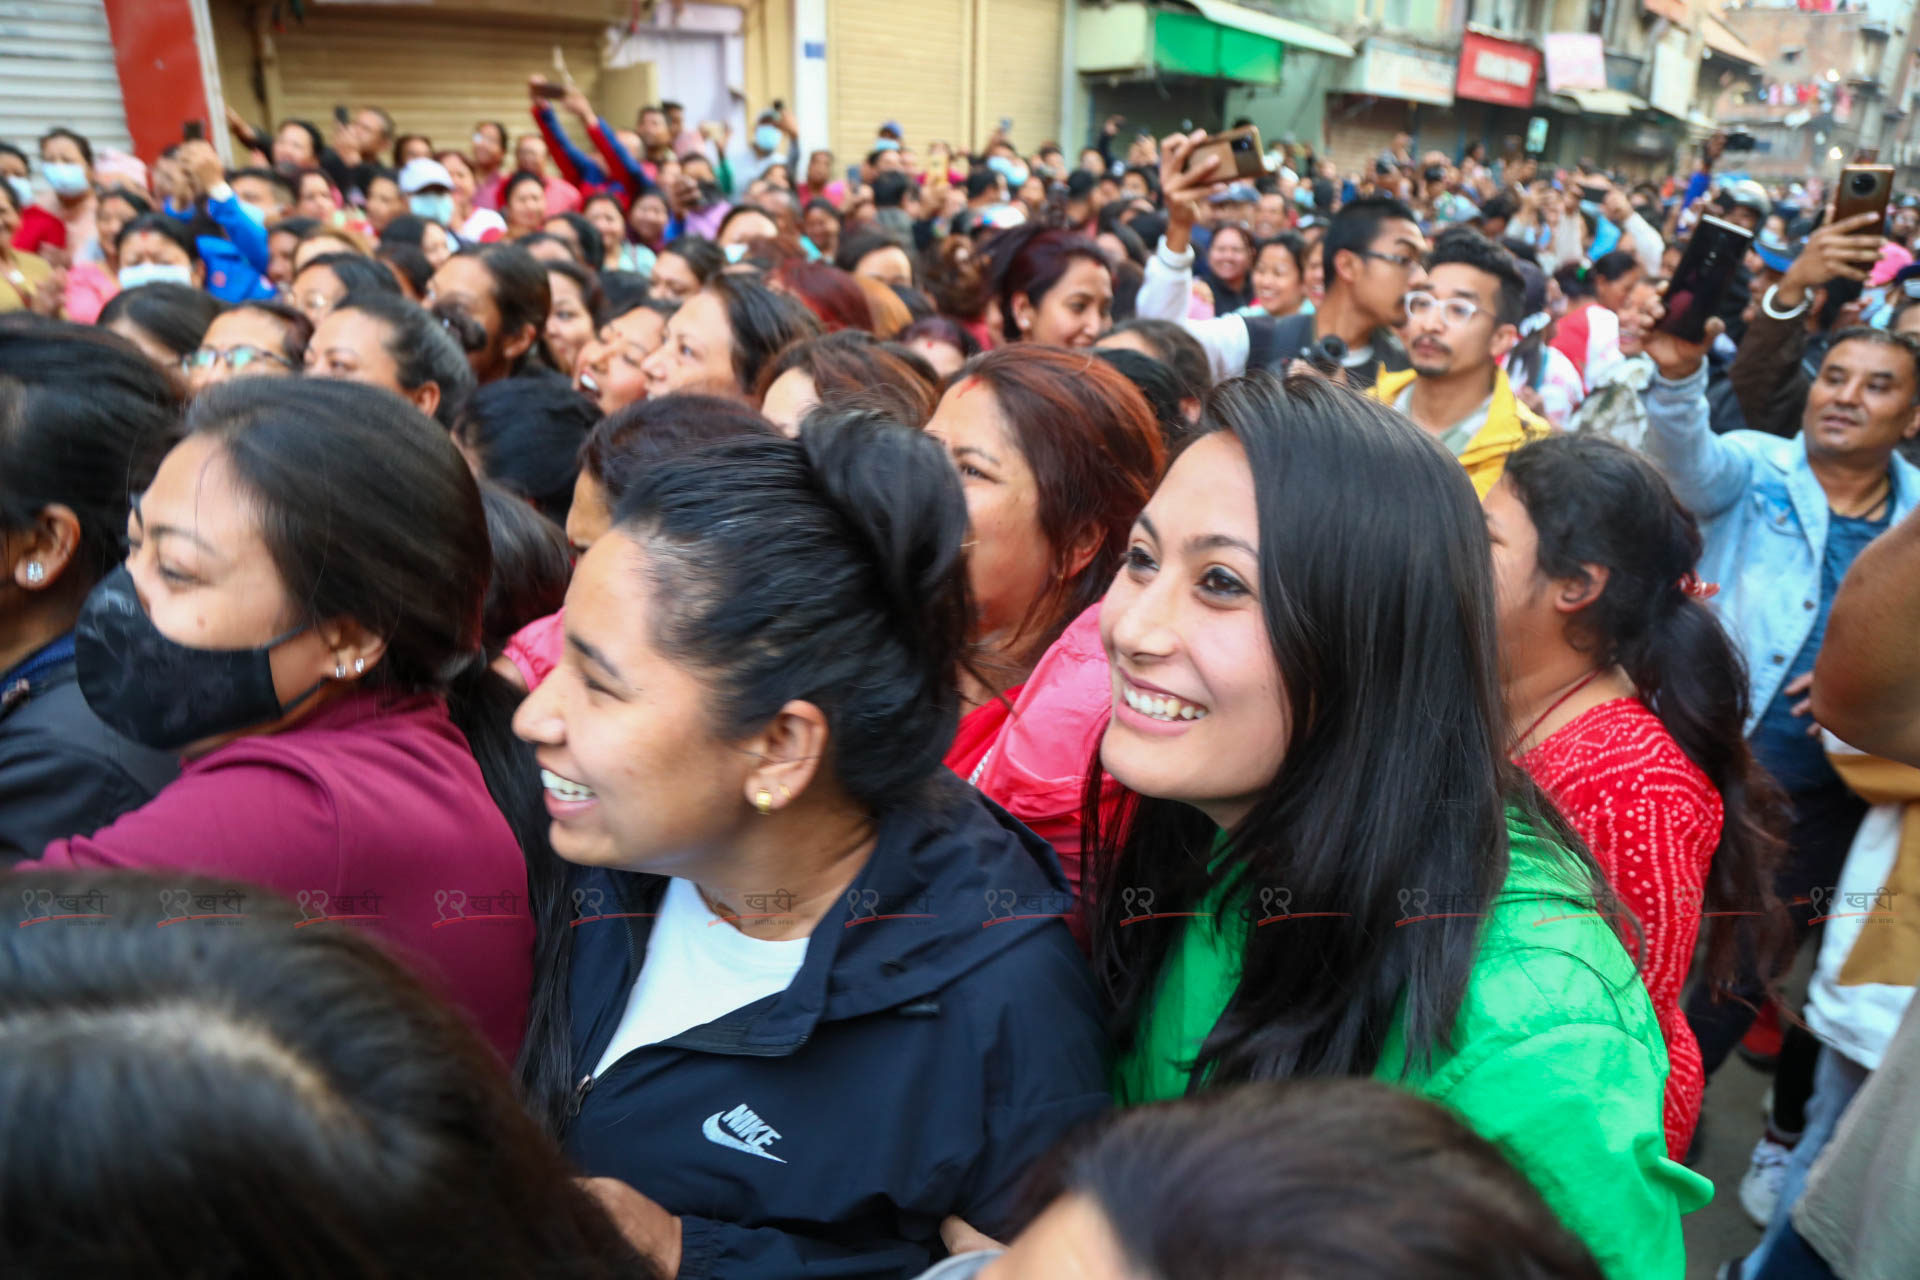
{"x": 1766, "y": 374}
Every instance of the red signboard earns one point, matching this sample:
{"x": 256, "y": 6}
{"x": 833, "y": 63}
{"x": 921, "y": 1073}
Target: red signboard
{"x": 1497, "y": 71}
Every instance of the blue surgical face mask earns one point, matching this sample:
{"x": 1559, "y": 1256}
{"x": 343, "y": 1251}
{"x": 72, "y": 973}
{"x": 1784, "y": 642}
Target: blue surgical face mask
{"x": 22, "y": 190}
{"x": 1012, "y": 170}
{"x": 65, "y": 179}
{"x": 434, "y": 208}
{"x": 767, "y": 137}
{"x": 252, "y": 213}
{"x": 139, "y": 273}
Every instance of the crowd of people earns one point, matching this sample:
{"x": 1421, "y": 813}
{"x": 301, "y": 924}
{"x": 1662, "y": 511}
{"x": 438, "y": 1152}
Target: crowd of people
{"x": 640, "y": 683}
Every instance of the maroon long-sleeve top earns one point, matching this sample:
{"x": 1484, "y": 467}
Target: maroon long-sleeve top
{"x": 370, "y": 813}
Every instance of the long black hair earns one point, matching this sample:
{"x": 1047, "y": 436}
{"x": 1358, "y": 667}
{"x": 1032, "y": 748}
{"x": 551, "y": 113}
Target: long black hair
{"x": 306, "y": 1106}
{"x": 828, "y": 568}
{"x": 369, "y": 512}
{"x": 1376, "y": 582}
{"x": 1594, "y": 502}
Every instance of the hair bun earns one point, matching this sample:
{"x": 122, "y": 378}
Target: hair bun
{"x": 895, "y": 486}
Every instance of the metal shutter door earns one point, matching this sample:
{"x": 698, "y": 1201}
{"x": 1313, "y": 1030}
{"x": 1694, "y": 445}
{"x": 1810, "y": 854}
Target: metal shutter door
{"x": 1021, "y": 74}
{"x": 893, "y": 61}
{"x": 435, "y": 76}
{"x": 56, "y": 67}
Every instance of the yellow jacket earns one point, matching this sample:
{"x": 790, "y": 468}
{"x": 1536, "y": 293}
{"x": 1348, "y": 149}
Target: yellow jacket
{"x": 1510, "y": 424}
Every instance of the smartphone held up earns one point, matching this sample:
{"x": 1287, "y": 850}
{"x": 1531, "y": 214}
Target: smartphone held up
{"x": 1714, "y": 254}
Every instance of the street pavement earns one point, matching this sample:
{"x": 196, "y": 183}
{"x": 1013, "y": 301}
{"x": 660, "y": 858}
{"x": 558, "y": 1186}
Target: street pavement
{"x": 1732, "y": 1121}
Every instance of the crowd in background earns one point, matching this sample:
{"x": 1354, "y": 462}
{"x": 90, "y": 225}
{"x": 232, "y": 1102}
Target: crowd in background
{"x": 613, "y": 568}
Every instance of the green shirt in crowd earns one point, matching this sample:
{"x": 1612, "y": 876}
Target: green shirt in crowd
{"x": 1556, "y": 1059}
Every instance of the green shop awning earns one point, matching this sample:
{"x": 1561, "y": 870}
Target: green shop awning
{"x": 1208, "y": 38}
{"x": 1187, "y": 44}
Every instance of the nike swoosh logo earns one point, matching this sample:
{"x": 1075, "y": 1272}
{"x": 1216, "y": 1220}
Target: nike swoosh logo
{"x": 714, "y": 1133}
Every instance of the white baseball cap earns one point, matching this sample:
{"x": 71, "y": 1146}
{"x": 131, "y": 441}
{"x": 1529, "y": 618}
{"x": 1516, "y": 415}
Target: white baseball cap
{"x": 422, "y": 173}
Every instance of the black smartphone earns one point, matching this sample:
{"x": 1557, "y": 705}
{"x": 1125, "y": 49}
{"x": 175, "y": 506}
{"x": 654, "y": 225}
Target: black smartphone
{"x": 340, "y": 115}
{"x": 1714, "y": 253}
{"x": 193, "y": 131}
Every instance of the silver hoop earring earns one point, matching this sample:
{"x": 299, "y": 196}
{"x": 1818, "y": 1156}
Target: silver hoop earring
{"x": 359, "y": 666}
{"x": 36, "y": 573}
{"x": 339, "y": 671}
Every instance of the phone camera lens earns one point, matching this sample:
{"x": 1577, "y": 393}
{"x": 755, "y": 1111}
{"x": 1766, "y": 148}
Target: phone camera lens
{"x": 1863, "y": 184}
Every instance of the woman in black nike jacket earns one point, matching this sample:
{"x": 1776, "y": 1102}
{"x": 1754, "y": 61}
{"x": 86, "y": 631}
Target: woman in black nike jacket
{"x": 804, "y": 994}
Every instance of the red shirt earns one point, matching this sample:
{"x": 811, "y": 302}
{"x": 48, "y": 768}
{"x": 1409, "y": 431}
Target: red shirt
{"x": 39, "y": 227}
{"x": 979, "y": 730}
{"x": 1653, "y": 822}
{"x": 371, "y": 807}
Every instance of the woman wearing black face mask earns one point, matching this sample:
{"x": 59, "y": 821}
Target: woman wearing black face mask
{"x": 300, "y": 619}
{"x": 82, "y": 417}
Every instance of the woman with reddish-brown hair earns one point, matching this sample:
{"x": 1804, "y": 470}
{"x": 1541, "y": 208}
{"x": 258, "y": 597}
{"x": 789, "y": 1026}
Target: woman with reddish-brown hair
{"x": 1057, "y": 454}
{"x": 833, "y": 295}
{"x": 845, "y": 370}
{"x": 1050, "y": 285}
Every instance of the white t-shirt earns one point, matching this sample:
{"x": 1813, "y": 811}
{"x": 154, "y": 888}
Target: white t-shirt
{"x": 698, "y": 968}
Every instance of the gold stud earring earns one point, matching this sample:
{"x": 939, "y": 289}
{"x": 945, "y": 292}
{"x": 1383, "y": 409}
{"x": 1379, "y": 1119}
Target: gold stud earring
{"x": 763, "y": 801}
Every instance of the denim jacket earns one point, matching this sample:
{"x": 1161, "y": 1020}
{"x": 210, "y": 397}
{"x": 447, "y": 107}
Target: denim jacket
{"x": 1764, "y": 518}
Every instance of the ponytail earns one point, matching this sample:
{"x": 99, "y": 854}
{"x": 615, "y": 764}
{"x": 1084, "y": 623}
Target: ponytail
{"x": 1693, "y": 677}
{"x": 1594, "y": 502}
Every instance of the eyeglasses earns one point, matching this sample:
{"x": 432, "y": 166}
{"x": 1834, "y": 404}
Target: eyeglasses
{"x": 1403, "y": 261}
{"x": 235, "y": 358}
{"x": 1456, "y": 311}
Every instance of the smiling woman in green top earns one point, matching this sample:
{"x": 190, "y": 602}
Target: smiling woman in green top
{"x": 1331, "y": 866}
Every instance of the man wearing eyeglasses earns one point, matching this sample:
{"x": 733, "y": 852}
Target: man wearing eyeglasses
{"x": 1372, "y": 254}
{"x": 1460, "y": 327}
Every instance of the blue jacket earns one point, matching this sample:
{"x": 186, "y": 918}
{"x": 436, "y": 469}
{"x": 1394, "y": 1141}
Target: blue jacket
{"x": 941, "y": 1035}
{"x": 1764, "y": 517}
{"x": 236, "y": 265}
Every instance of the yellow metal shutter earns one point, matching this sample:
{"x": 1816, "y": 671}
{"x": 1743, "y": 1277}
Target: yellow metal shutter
{"x": 1020, "y": 75}
{"x": 438, "y": 76}
{"x": 894, "y": 61}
